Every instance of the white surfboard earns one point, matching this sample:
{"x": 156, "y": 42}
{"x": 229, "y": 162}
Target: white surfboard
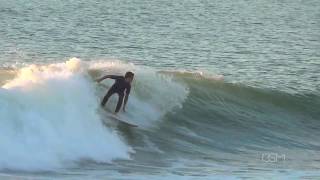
{"x": 120, "y": 119}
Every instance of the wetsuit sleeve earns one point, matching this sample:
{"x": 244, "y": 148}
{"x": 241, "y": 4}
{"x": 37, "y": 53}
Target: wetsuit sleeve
{"x": 114, "y": 77}
{"x": 127, "y": 96}
{"x": 109, "y": 76}
{"x": 128, "y": 90}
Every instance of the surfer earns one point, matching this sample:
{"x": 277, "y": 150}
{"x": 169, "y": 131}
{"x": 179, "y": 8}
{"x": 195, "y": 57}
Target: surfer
{"x": 122, "y": 85}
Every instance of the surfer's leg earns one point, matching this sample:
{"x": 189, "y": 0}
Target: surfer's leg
{"x": 106, "y": 97}
{"x": 120, "y": 100}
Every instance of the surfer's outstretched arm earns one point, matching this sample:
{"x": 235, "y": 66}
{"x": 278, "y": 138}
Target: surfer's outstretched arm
{"x": 110, "y": 77}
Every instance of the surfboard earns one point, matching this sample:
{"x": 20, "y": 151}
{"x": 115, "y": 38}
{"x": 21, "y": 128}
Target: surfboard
{"x": 120, "y": 119}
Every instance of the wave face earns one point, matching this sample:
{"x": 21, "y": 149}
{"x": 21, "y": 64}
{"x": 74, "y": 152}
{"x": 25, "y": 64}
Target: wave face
{"x": 51, "y": 119}
{"x": 248, "y": 117}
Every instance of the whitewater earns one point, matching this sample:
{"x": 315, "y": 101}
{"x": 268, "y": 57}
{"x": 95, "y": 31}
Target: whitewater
{"x": 50, "y": 117}
{"x": 49, "y": 120}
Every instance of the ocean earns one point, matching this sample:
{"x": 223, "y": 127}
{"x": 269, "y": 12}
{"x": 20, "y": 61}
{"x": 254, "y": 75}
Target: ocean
{"x": 222, "y": 89}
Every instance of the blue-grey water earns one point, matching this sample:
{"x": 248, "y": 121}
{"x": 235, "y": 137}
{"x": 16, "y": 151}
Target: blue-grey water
{"x": 223, "y": 89}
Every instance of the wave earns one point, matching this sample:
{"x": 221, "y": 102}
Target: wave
{"x": 50, "y": 115}
{"x": 51, "y": 118}
{"x": 48, "y": 120}
{"x": 227, "y": 117}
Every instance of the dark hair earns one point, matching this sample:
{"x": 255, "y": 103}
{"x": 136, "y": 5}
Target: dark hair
{"x": 129, "y": 74}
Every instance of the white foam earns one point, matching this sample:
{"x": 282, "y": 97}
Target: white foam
{"x": 49, "y": 114}
{"x": 49, "y": 119}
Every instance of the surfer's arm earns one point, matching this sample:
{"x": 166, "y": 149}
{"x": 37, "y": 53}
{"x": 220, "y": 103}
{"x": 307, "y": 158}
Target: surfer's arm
{"x": 109, "y": 76}
{"x": 126, "y": 98}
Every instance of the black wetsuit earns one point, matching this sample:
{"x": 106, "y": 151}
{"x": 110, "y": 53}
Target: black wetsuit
{"x": 118, "y": 87}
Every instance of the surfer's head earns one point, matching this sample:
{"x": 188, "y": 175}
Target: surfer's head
{"x": 129, "y": 76}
